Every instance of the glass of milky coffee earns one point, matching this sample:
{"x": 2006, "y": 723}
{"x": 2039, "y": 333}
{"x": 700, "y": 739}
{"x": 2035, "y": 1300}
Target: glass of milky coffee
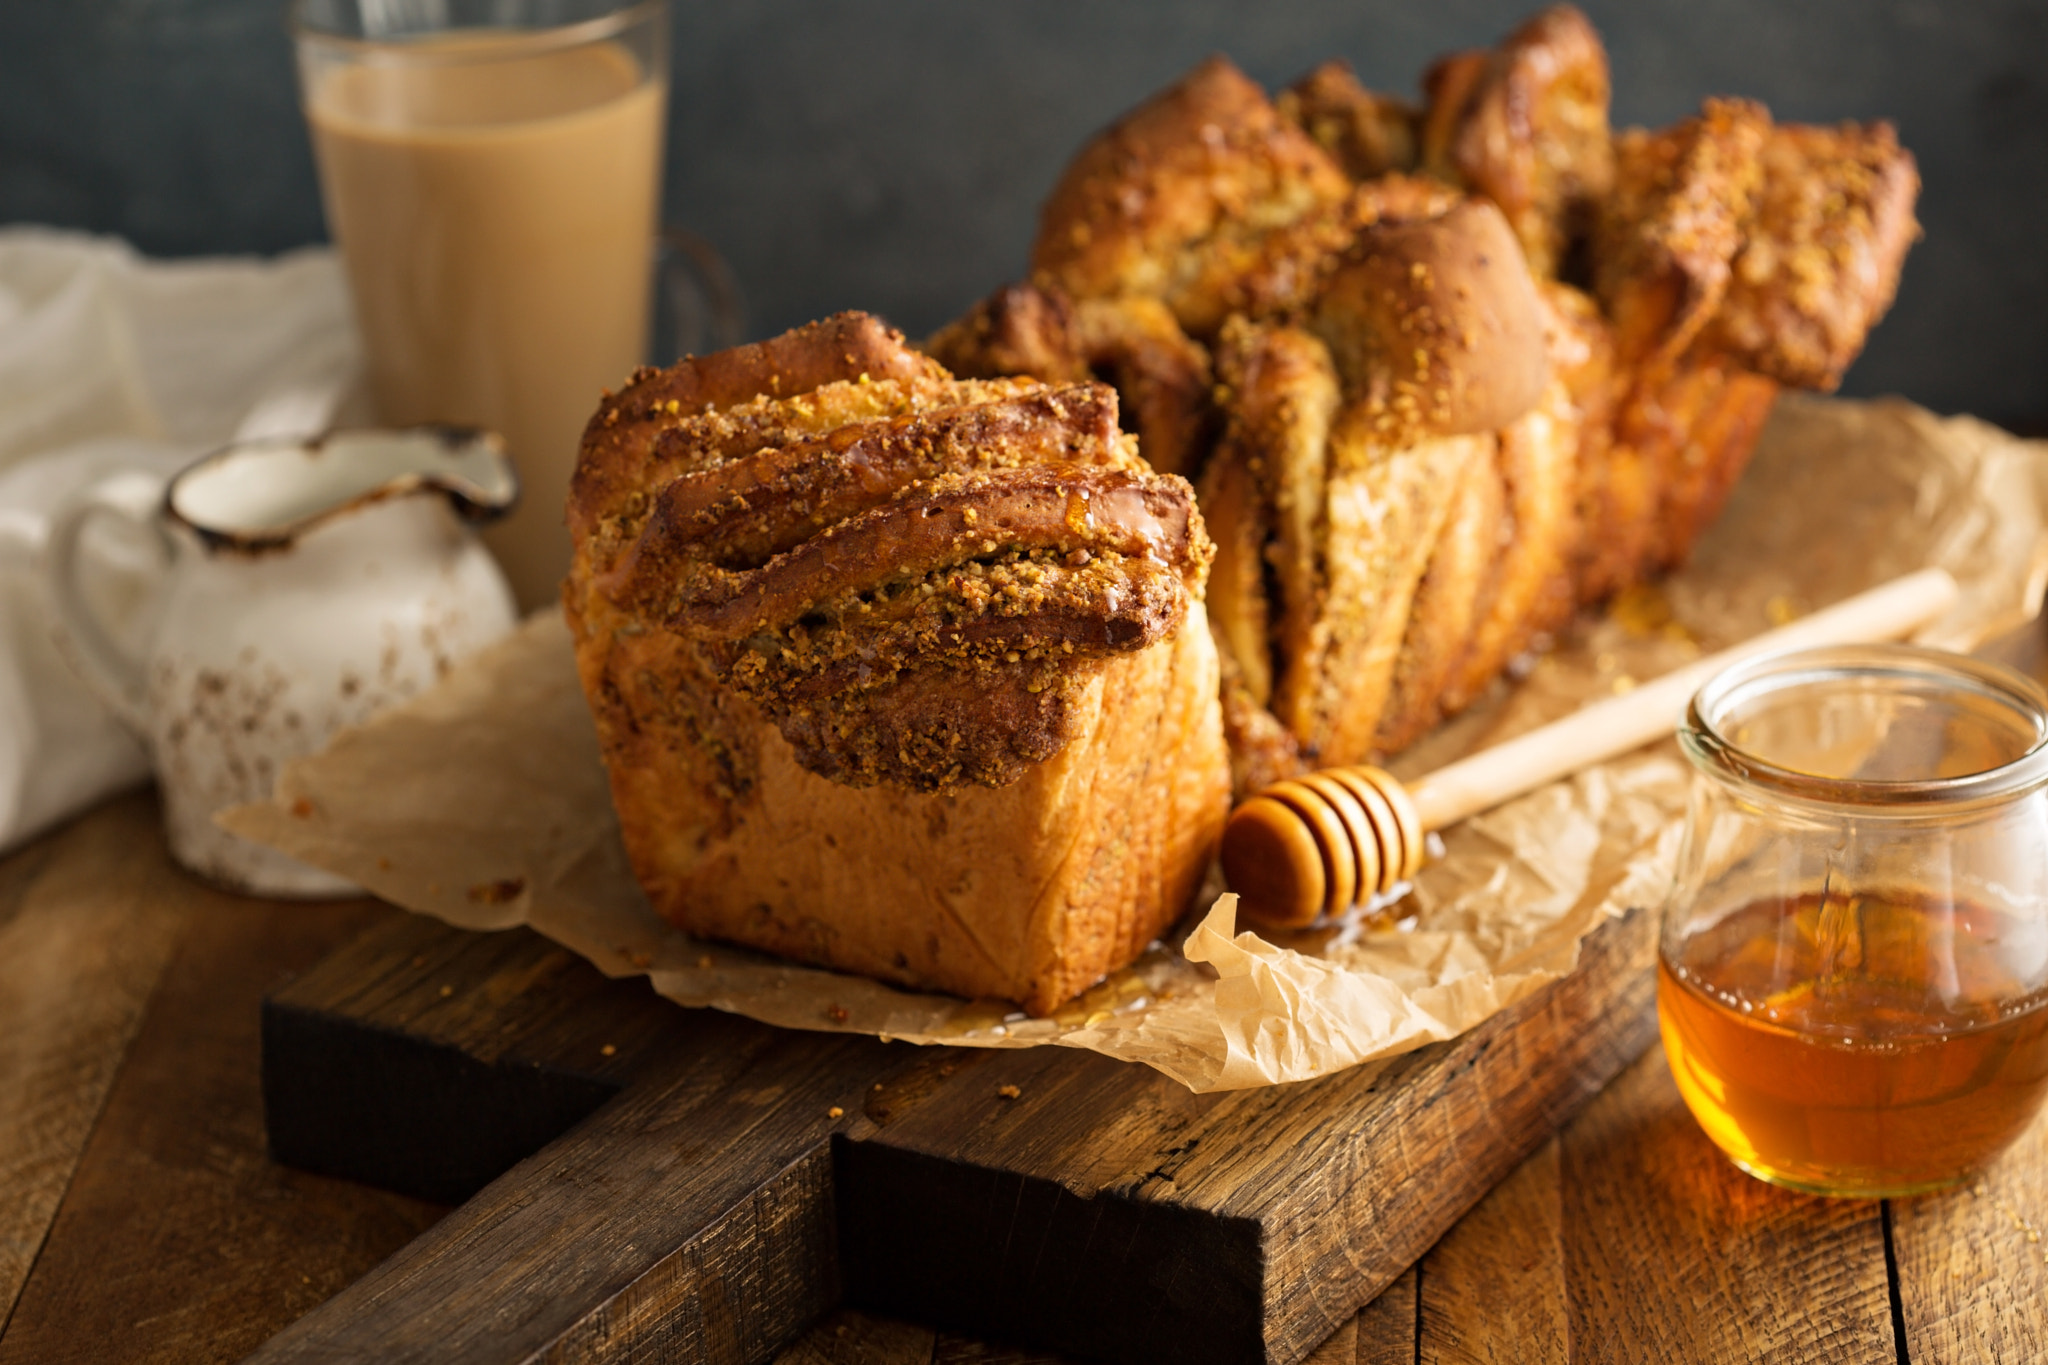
{"x": 491, "y": 170}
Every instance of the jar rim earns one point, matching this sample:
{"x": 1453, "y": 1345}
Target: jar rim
{"x": 1711, "y": 749}
{"x": 515, "y": 40}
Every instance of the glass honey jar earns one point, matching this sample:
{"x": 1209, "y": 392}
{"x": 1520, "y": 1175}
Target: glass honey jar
{"x": 1853, "y": 968}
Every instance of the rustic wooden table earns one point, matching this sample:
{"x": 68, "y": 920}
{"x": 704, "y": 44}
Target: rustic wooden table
{"x": 140, "y": 1218}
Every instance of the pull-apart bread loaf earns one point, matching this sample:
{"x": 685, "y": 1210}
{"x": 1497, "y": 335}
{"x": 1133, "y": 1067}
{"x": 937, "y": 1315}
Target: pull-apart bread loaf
{"x": 895, "y": 672}
{"x": 1443, "y": 372}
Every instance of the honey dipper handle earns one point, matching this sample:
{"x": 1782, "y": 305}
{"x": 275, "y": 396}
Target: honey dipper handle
{"x": 1615, "y": 726}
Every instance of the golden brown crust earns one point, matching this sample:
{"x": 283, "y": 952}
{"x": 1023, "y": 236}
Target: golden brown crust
{"x": 1624, "y": 509}
{"x": 1450, "y": 85}
{"x": 619, "y": 460}
{"x": 1737, "y": 255}
{"x": 1235, "y": 510}
{"x": 1279, "y": 273}
{"x": 684, "y": 445}
{"x": 1351, "y": 520}
{"x": 1694, "y": 423}
{"x": 816, "y": 615}
{"x": 1385, "y": 509}
{"x": 1436, "y": 325}
{"x": 883, "y": 713}
{"x": 1421, "y": 455}
{"x": 1350, "y": 517}
{"x": 1284, "y": 396}
{"x": 1020, "y": 329}
{"x": 1066, "y": 514}
{"x": 1203, "y": 167}
{"x": 1262, "y": 751}
{"x": 910, "y": 578}
{"x": 1611, "y": 500}
{"x": 1161, "y": 373}
{"x": 1820, "y": 261}
{"x": 1683, "y": 198}
{"x": 1368, "y": 134}
{"x": 1681, "y": 436}
{"x": 747, "y": 509}
{"x": 1617, "y": 490}
{"x": 1028, "y": 893}
{"x": 1526, "y": 126}
{"x": 1397, "y": 198}
{"x": 1532, "y": 595}
{"x": 1464, "y": 570}
{"x": 1351, "y": 334}
{"x": 1685, "y": 207}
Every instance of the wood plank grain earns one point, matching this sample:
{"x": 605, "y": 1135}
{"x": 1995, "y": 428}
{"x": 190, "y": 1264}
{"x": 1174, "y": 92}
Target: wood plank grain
{"x": 690, "y": 1219}
{"x": 1341, "y": 1347}
{"x": 1973, "y": 1262}
{"x": 1474, "y": 1110}
{"x": 1383, "y": 1333}
{"x": 430, "y": 1061}
{"x": 961, "y": 1211}
{"x": 848, "y": 1337}
{"x": 88, "y": 918}
{"x": 178, "y": 1239}
{"x": 1672, "y": 1254}
{"x": 511, "y": 996}
{"x": 1177, "y": 1222}
{"x": 952, "y": 1349}
{"x": 1971, "y": 1265}
{"x": 1045, "y": 1196}
{"x": 1495, "y": 1283}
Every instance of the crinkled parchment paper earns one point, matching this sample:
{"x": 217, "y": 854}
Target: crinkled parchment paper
{"x": 484, "y": 802}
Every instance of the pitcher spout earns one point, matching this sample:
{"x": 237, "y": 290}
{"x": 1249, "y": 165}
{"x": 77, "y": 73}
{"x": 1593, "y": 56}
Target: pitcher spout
{"x": 257, "y": 497}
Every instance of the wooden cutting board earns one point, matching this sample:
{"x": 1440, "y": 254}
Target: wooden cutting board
{"x": 649, "y": 1182}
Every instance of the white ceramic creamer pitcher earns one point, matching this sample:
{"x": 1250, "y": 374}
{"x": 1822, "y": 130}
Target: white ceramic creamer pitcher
{"x": 303, "y": 586}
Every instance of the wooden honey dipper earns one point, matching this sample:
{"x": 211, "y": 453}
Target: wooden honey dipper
{"x": 1319, "y": 843}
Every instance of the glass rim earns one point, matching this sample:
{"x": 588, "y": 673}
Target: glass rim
{"x": 518, "y": 41}
{"x": 1710, "y": 749}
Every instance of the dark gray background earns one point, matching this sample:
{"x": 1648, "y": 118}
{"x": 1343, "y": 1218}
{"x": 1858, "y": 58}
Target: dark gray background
{"x": 892, "y": 157}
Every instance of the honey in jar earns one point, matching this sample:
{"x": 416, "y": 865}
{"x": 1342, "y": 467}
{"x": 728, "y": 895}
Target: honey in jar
{"x": 1853, "y": 971}
{"x": 1854, "y": 1075}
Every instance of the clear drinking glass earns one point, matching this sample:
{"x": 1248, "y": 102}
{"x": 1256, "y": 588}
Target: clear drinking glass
{"x": 1854, "y": 957}
{"x": 492, "y": 170}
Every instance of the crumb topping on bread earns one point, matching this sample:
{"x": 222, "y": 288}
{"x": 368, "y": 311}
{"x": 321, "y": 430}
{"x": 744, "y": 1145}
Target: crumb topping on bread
{"x": 910, "y": 574}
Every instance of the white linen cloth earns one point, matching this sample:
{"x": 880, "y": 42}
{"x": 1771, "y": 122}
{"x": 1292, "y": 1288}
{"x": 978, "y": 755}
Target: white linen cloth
{"x": 110, "y": 361}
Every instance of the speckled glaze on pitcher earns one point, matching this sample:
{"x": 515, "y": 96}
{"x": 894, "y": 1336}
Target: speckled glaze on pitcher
{"x": 300, "y": 587}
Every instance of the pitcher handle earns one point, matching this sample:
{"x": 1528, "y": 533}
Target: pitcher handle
{"x": 698, "y": 305}
{"x": 113, "y": 673}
